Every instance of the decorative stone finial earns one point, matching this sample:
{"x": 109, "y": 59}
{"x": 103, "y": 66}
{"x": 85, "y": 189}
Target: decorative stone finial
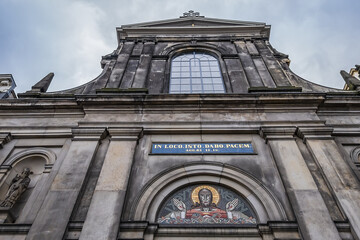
{"x": 191, "y": 13}
{"x": 352, "y": 82}
{"x": 43, "y": 84}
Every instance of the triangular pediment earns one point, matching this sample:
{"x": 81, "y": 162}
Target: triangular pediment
{"x": 193, "y": 22}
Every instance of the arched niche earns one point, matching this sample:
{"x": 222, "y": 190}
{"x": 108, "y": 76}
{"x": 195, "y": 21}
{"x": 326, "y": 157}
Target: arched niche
{"x": 38, "y": 160}
{"x": 265, "y": 205}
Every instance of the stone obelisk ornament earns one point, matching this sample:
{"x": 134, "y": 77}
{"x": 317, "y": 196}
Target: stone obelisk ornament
{"x": 18, "y": 186}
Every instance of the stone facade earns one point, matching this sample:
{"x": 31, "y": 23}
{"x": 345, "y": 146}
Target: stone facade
{"x": 95, "y": 174}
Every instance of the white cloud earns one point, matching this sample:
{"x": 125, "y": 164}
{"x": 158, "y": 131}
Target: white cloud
{"x": 80, "y": 43}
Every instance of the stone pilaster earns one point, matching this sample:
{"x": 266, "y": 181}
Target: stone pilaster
{"x": 338, "y": 174}
{"x": 103, "y": 218}
{"x": 55, "y": 212}
{"x": 309, "y": 207}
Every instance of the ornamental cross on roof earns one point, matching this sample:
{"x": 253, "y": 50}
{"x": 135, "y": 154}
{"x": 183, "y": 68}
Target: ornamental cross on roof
{"x": 191, "y": 13}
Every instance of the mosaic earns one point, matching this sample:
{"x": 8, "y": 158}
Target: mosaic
{"x": 206, "y": 204}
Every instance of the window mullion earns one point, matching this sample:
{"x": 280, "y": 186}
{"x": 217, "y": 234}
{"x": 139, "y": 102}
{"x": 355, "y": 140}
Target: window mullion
{"x": 196, "y": 73}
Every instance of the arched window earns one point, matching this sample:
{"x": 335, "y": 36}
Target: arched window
{"x": 196, "y": 72}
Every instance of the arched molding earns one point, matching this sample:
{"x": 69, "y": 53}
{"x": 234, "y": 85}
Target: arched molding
{"x": 263, "y": 202}
{"x": 181, "y": 47}
{"x": 39, "y": 161}
{"x": 44, "y": 153}
{"x": 354, "y": 154}
{"x": 210, "y": 49}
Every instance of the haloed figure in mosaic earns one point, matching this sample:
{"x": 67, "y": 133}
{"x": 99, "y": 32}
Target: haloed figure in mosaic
{"x": 205, "y": 210}
{"x": 206, "y": 207}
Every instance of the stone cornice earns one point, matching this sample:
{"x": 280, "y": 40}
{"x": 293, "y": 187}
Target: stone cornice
{"x": 274, "y": 100}
{"x": 193, "y": 25}
{"x": 125, "y": 134}
{"x": 38, "y": 132}
{"x": 200, "y": 130}
{"x": 318, "y": 132}
{"x": 88, "y": 134}
{"x": 140, "y": 98}
{"x": 81, "y": 104}
{"x": 346, "y": 130}
{"x": 278, "y": 132}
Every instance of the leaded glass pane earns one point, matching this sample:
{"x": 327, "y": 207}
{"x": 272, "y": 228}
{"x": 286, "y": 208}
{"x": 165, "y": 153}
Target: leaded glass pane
{"x": 185, "y": 87}
{"x": 213, "y": 63}
{"x": 185, "y": 68}
{"x": 185, "y": 81}
{"x": 196, "y": 81}
{"x": 196, "y": 87}
{"x": 185, "y": 74}
{"x": 175, "y": 64}
{"x": 215, "y": 74}
{"x": 206, "y": 74}
{"x": 208, "y": 87}
{"x": 175, "y": 87}
{"x": 207, "y": 81}
{"x": 218, "y": 87}
{"x": 175, "y": 74}
{"x": 196, "y": 73}
{"x": 175, "y": 81}
{"x": 195, "y": 68}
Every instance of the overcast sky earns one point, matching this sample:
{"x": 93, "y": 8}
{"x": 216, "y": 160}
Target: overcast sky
{"x": 68, "y": 37}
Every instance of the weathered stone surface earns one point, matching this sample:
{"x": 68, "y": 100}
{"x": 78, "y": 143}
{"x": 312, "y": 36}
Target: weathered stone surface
{"x": 340, "y": 177}
{"x": 137, "y": 49}
{"x": 36, "y": 199}
{"x": 109, "y": 193}
{"x": 313, "y": 217}
{"x": 156, "y": 78}
{"x": 59, "y": 202}
{"x": 120, "y": 66}
{"x": 144, "y": 66}
{"x": 103, "y": 224}
{"x": 311, "y": 213}
{"x": 129, "y": 73}
{"x": 325, "y": 192}
{"x": 271, "y": 63}
{"x": 248, "y": 65}
{"x": 238, "y": 80}
{"x": 263, "y": 72}
{"x": 82, "y": 206}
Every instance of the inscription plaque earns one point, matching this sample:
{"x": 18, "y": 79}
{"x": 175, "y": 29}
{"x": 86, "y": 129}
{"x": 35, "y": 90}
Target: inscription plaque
{"x": 203, "y": 148}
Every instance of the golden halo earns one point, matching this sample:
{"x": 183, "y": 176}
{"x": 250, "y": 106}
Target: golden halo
{"x": 195, "y": 194}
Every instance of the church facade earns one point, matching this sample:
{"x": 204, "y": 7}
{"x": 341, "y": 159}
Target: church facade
{"x": 196, "y": 128}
